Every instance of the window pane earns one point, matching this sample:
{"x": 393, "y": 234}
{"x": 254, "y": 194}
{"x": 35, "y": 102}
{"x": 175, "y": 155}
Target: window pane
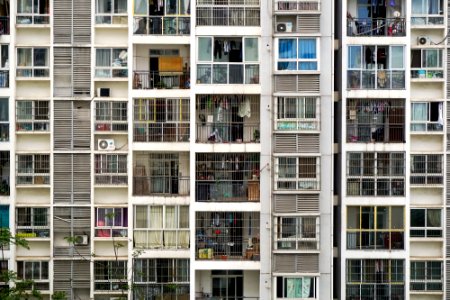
{"x": 353, "y": 217}
{"x": 417, "y": 218}
{"x": 4, "y": 113}
{"x": 140, "y": 7}
{"x": 397, "y": 217}
{"x": 287, "y": 48}
{"x": 433, "y": 218}
{"x": 40, "y": 57}
{"x": 103, "y": 58}
{"x": 354, "y": 57}
{"x": 251, "y": 49}
{"x": 204, "y": 49}
{"x": 419, "y": 112}
{"x": 307, "y": 48}
{"x": 24, "y": 57}
{"x": 397, "y": 57}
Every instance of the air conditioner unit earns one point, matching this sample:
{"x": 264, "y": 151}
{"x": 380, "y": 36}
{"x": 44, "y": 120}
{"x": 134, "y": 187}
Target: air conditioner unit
{"x": 106, "y": 145}
{"x": 284, "y": 27}
{"x": 103, "y": 92}
{"x": 80, "y": 240}
{"x": 423, "y": 40}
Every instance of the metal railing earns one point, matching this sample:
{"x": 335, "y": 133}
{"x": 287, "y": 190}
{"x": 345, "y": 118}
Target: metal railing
{"x": 162, "y": 25}
{"x": 143, "y": 80}
{"x": 228, "y": 16}
{"x": 234, "y": 132}
{"x": 372, "y": 79}
{"x": 366, "y": 240}
{"x": 299, "y": 5}
{"x": 376, "y": 27}
{"x": 161, "y": 132}
{"x": 160, "y": 185}
{"x": 227, "y": 190}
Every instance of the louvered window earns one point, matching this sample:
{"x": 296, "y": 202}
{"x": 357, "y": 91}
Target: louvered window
{"x": 72, "y": 178}
{"x": 72, "y": 71}
{"x": 72, "y": 22}
{"x": 33, "y": 62}
{"x": 33, "y": 11}
{"x": 72, "y": 125}
{"x": 296, "y": 233}
{"x": 72, "y": 277}
{"x": 297, "y": 173}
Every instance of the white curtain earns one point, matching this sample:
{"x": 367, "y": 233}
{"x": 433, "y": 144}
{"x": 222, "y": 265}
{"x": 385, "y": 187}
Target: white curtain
{"x": 170, "y": 236}
{"x": 156, "y": 222}
{"x": 141, "y": 217}
{"x": 140, "y": 238}
{"x": 419, "y": 113}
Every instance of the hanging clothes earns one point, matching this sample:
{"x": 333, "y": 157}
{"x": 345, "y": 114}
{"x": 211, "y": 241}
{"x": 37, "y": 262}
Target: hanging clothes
{"x": 244, "y": 109}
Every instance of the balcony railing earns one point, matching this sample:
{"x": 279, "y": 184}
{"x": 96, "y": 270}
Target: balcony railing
{"x": 366, "y": 240}
{"x": 380, "y": 79}
{"x": 299, "y": 5}
{"x": 376, "y": 27}
{"x": 227, "y": 190}
{"x": 228, "y": 73}
{"x": 161, "y": 132}
{"x": 427, "y": 73}
{"x": 234, "y": 132}
{"x": 4, "y": 25}
{"x": 224, "y": 15}
{"x": 162, "y": 25}
{"x": 160, "y": 185}
{"x": 143, "y": 80}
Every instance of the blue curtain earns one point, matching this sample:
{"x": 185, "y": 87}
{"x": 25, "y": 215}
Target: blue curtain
{"x": 307, "y": 50}
{"x": 287, "y": 48}
{"x": 4, "y": 216}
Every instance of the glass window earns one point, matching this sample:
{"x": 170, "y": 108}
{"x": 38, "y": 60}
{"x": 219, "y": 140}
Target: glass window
{"x": 297, "y": 54}
{"x": 426, "y": 223}
{"x": 204, "y": 49}
{"x": 251, "y": 49}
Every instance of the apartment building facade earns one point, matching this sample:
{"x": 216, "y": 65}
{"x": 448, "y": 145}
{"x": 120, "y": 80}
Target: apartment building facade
{"x": 168, "y": 149}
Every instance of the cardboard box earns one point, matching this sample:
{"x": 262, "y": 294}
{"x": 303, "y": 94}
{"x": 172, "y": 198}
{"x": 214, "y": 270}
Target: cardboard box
{"x": 205, "y": 253}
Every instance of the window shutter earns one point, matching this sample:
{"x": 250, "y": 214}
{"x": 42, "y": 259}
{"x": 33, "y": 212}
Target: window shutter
{"x": 285, "y": 143}
{"x": 301, "y": 203}
{"x": 308, "y": 83}
{"x": 69, "y": 276}
{"x": 285, "y": 203}
{"x": 308, "y": 23}
{"x": 72, "y": 22}
{"x": 72, "y": 178}
{"x": 62, "y": 22}
{"x": 285, "y": 83}
{"x": 308, "y": 143}
{"x": 448, "y": 234}
{"x": 81, "y": 71}
{"x": 307, "y": 203}
{"x": 296, "y": 263}
{"x": 72, "y": 125}
{"x": 82, "y": 22}
{"x": 61, "y": 277}
{"x": 62, "y": 133}
{"x": 62, "y": 74}
{"x": 295, "y": 143}
{"x": 81, "y": 178}
{"x": 81, "y": 125}
{"x": 447, "y": 186}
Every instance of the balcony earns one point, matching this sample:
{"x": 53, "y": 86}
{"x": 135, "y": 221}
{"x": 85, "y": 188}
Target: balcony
{"x": 376, "y": 27}
{"x": 297, "y": 6}
{"x": 145, "y": 80}
{"x": 162, "y": 25}
{"x": 227, "y": 236}
{"x": 376, "y": 121}
{"x": 227, "y": 73}
{"x": 378, "y": 80}
{"x": 161, "y": 174}
{"x": 231, "y": 177}
{"x": 228, "y": 13}
{"x": 228, "y": 118}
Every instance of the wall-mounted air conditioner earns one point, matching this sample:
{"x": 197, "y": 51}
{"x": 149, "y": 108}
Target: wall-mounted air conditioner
{"x": 284, "y": 27}
{"x": 81, "y": 240}
{"x": 106, "y": 145}
{"x": 423, "y": 40}
{"x": 103, "y": 92}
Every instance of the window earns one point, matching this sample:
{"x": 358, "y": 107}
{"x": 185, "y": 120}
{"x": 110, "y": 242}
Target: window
{"x": 427, "y": 12}
{"x": 158, "y": 277}
{"x": 4, "y": 173}
{"x": 426, "y": 276}
{"x": 4, "y": 120}
{"x": 427, "y": 116}
{"x": 375, "y": 279}
{"x": 228, "y": 60}
{"x": 375, "y": 174}
{"x": 111, "y": 222}
{"x": 290, "y": 287}
{"x": 4, "y": 216}
{"x": 296, "y": 233}
{"x": 375, "y": 120}
{"x": 426, "y": 169}
{"x": 37, "y": 271}
{"x": 111, "y": 116}
{"x": 297, "y": 173}
{"x": 111, "y": 63}
{"x": 297, "y": 54}
{"x": 375, "y": 227}
{"x": 297, "y": 113}
{"x": 228, "y": 13}
{"x": 33, "y": 169}
{"x": 110, "y": 275}
{"x": 227, "y": 284}
{"x": 3, "y": 269}
{"x": 161, "y": 120}
{"x": 32, "y": 115}
{"x": 161, "y": 226}
{"x": 426, "y": 222}
{"x": 33, "y": 12}
{"x": 33, "y": 62}
{"x": 376, "y": 67}
{"x": 32, "y": 222}
{"x": 111, "y": 12}
{"x": 111, "y": 169}
{"x": 427, "y": 63}
{"x": 4, "y": 63}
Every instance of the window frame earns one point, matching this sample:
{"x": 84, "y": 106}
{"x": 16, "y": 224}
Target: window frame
{"x": 29, "y": 169}
{"x": 33, "y": 69}
{"x": 284, "y": 119}
{"x": 40, "y": 281}
{"x": 424, "y": 70}
{"x": 111, "y": 169}
{"x": 303, "y": 178}
{"x": 427, "y": 280}
{"x": 117, "y": 67}
{"x": 425, "y": 18}
{"x": 111, "y": 116}
{"x": 111, "y": 227}
{"x": 32, "y": 230}
{"x": 37, "y": 120}
{"x": 305, "y": 238}
{"x": 422, "y": 169}
{"x": 298, "y": 60}
{"x": 114, "y": 277}
{"x": 283, "y": 280}
{"x": 4, "y": 120}
{"x": 33, "y": 17}
{"x": 427, "y": 124}
{"x": 111, "y": 16}
{"x": 429, "y": 231}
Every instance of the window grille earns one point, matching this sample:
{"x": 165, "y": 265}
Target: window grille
{"x": 111, "y": 116}
{"x": 426, "y": 276}
{"x": 111, "y": 222}
{"x": 111, "y": 169}
{"x": 296, "y": 233}
{"x": 33, "y": 169}
{"x": 297, "y": 113}
{"x": 297, "y": 173}
{"x": 32, "y": 222}
{"x": 426, "y": 222}
{"x": 32, "y": 115}
{"x": 426, "y": 169}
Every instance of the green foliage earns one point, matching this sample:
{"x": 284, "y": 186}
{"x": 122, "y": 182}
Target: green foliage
{"x": 60, "y": 295}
